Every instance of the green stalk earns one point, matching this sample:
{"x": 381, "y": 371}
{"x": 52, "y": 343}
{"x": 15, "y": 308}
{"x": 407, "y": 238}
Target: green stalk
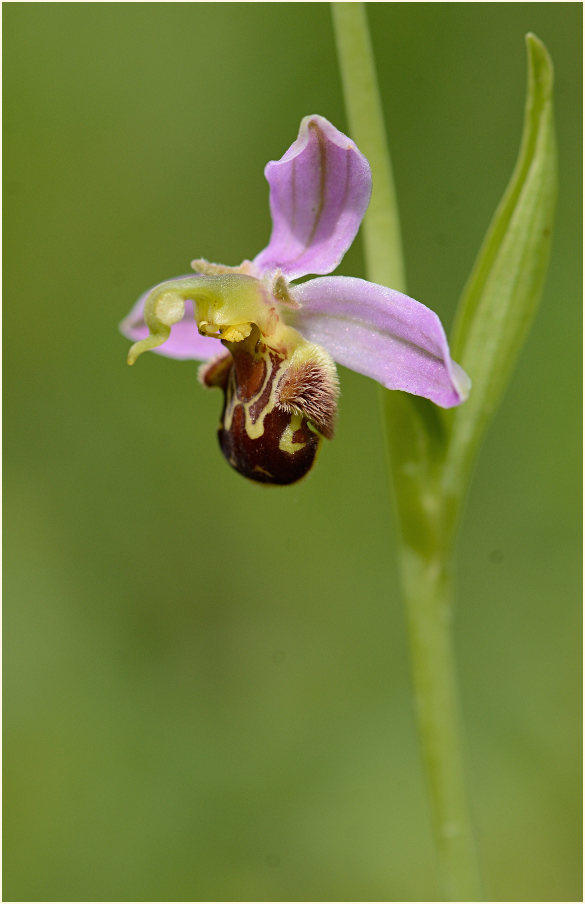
{"x": 427, "y": 525}
{"x": 381, "y": 227}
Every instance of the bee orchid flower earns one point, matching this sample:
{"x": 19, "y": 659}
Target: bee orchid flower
{"x": 270, "y": 345}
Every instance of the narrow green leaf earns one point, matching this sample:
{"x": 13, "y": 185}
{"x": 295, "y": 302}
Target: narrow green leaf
{"x": 501, "y": 296}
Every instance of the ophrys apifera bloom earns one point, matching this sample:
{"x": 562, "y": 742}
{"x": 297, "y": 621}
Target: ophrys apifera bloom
{"x": 271, "y": 345}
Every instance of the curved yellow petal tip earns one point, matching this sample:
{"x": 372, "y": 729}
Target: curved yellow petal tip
{"x": 144, "y": 345}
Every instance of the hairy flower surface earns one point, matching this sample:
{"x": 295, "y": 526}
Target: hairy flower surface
{"x": 272, "y": 346}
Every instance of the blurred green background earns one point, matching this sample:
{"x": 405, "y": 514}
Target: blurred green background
{"x": 206, "y": 682}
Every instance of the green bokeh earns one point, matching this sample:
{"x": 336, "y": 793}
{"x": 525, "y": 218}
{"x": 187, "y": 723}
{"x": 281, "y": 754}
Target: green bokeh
{"x": 206, "y": 682}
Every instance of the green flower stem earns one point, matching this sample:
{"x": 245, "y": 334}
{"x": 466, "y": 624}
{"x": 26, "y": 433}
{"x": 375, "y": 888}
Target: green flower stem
{"x": 427, "y": 523}
{"x": 429, "y": 594}
{"x": 381, "y": 227}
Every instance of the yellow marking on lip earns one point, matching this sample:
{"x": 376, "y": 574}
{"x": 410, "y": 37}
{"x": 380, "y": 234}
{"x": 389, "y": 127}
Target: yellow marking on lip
{"x": 255, "y": 429}
{"x": 286, "y": 443}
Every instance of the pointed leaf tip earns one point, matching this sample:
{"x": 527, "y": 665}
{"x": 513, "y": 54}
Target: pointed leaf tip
{"x": 502, "y": 293}
{"x": 541, "y": 69}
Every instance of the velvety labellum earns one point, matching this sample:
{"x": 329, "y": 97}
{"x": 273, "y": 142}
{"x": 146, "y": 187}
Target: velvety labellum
{"x": 261, "y": 434}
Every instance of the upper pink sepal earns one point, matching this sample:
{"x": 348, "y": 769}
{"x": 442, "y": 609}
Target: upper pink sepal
{"x": 380, "y": 333}
{"x": 319, "y": 192}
